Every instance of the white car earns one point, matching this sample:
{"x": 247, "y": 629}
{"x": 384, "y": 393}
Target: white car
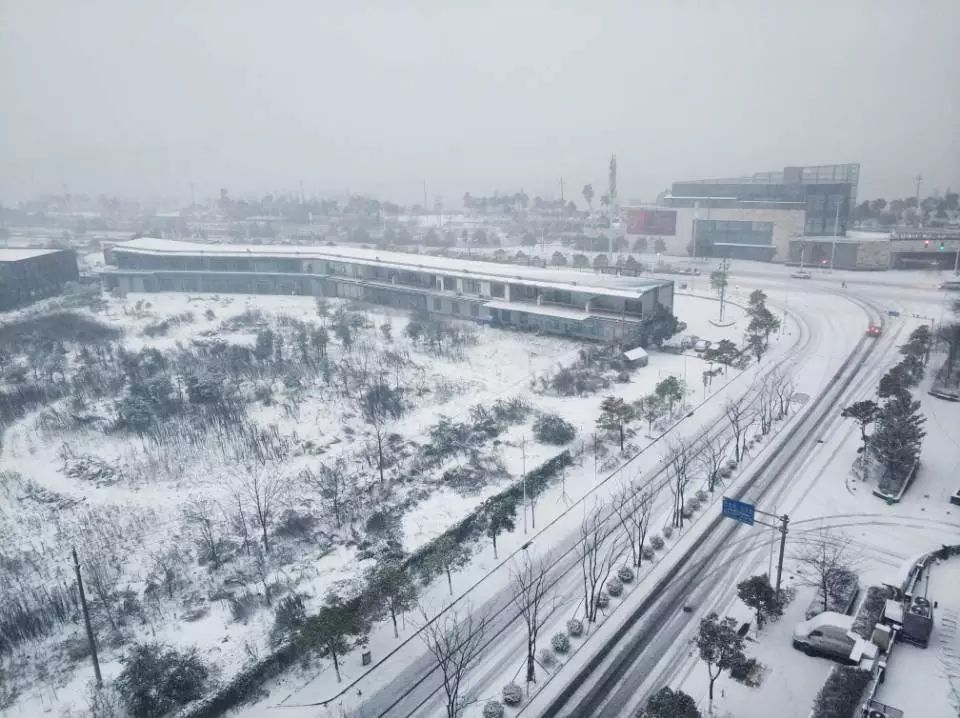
{"x": 801, "y": 275}
{"x": 829, "y": 634}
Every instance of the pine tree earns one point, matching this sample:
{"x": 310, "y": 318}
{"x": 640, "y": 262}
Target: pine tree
{"x": 864, "y": 413}
{"x": 330, "y": 630}
{"x": 615, "y": 414}
{"x": 898, "y": 437}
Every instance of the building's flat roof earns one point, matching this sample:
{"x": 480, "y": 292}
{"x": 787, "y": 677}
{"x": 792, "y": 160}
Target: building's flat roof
{"x": 547, "y": 310}
{"x": 18, "y": 254}
{"x": 466, "y": 268}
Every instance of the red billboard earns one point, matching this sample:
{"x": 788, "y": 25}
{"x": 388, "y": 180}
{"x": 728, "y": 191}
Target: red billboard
{"x": 651, "y": 221}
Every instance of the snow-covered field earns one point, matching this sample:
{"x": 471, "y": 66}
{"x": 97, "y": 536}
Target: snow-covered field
{"x": 140, "y": 505}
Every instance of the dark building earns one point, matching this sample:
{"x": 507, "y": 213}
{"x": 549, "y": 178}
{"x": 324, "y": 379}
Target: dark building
{"x": 827, "y": 193}
{"x": 30, "y": 274}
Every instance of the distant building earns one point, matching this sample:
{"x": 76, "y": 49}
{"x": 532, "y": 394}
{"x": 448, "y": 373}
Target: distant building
{"x": 751, "y": 217}
{"x": 510, "y": 295}
{"x": 30, "y": 274}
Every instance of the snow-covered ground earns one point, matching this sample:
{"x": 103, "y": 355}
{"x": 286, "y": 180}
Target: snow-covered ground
{"x": 135, "y": 517}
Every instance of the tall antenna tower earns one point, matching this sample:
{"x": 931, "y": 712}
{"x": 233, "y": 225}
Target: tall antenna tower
{"x": 612, "y": 180}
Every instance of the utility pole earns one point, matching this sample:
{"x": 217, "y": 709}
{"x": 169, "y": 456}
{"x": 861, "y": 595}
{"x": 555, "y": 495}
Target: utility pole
{"x": 745, "y": 513}
{"x": 426, "y": 207}
{"x": 523, "y": 452}
{"x": 784, "y": 520}
{"x": 86, "y": 620}
{"x": 918, "y": 179}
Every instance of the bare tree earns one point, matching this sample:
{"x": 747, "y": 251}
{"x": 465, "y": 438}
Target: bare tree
{"x": 455, "y": 645}
{"x": 262, "y": 492}
{"x": 679, "y": 459}
{"x": 785, "y": 391}
{"x": 825, "y": 565}
{"x": 262, "y": 566}
{"x": 199, "y": 516}
{"x": 331, "y": 481}
{"x": 767, "y": 405}
{"x": 599, "y": 550}
{"x": 634, "y": 506}
{"x": 103, "y": 576}
{"x": 380, "y": 404}
{"x": 529, "y": 586}
{"x": 740, "y": 417}
{"x": 713, "y": 453}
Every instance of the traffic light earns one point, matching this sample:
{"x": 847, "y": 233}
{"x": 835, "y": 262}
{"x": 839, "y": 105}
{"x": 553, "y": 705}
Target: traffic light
{"x": 941, "y": 246}
{"x": 926, "y": 244}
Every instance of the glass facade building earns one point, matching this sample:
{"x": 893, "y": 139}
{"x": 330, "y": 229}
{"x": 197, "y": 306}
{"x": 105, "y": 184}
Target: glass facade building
{"x": 734, "y": 238}
{"x": 828, "y": 194}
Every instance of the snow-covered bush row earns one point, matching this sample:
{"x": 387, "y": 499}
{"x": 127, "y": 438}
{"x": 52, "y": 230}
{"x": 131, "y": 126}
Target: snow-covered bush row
{"x": 625, "y": 574}
{"x": 493, "y": 709}
{"x": 575, "y": 627}
{"x": 656, "y": 542}
{"x": 870, "y": 610}
{"x": 841, "y": 694}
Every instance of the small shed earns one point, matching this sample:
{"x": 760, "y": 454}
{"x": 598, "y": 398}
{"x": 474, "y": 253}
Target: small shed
{"x": 636, "y": 357}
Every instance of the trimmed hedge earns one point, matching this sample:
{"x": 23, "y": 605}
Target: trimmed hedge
{"x": 245, "y": 685}
{"x": 841, "y": 694}
{"x": 870, "y": 610}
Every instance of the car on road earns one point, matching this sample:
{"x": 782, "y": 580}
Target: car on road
{"x": 874, "y": 330}
{"x": 951, "y": 286}
{"x": 801, "y": 275}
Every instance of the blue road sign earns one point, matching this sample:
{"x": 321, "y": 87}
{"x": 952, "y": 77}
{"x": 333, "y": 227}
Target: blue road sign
{"x": 738, "y": 511}
{"x": 893, "y": 313}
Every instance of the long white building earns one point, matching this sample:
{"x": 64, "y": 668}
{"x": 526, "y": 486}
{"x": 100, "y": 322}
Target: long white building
{"x": 541, "y": 299}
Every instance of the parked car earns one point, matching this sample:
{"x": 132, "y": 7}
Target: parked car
{"x": 702, "y": 345}
{"x": 829, "y": 634}
{"x": 801, "y": 274}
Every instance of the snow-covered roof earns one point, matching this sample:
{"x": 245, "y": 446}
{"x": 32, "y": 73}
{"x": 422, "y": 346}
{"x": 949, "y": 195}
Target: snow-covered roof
{"x": 634, "y": 354}
{"x": 17, "y": 254}
{"x": 488, "y": 271}
{"x": 547, "y": 310}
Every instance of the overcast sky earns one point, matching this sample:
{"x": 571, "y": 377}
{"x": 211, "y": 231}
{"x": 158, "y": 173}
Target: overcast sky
{"x": 142, "y": 98}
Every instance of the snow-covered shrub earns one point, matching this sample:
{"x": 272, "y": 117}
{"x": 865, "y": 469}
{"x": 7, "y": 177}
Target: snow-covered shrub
{"x": 553, "y": 429}
{"x": 668, "y": 532}
{"x": 726, "y": 472}
{"x": 647, "y": 553}
{"x": 614, "y": 587}
{"x": 731, "y": 463}
{"x": 625, "y": 574}
{"x": 512, "y": 694}
{"x": 692, "y": 505}
{"x": 575, "y": 627}
{"x": 493, "y": 709}
{"x": 157, "y": 679}
{"x": 561, "y": 642}
{"x": 656, "y": 542}
{"x": 603, "y": 599}
{"x": 702, "y": 496}
{"x": 547, "y": 657}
